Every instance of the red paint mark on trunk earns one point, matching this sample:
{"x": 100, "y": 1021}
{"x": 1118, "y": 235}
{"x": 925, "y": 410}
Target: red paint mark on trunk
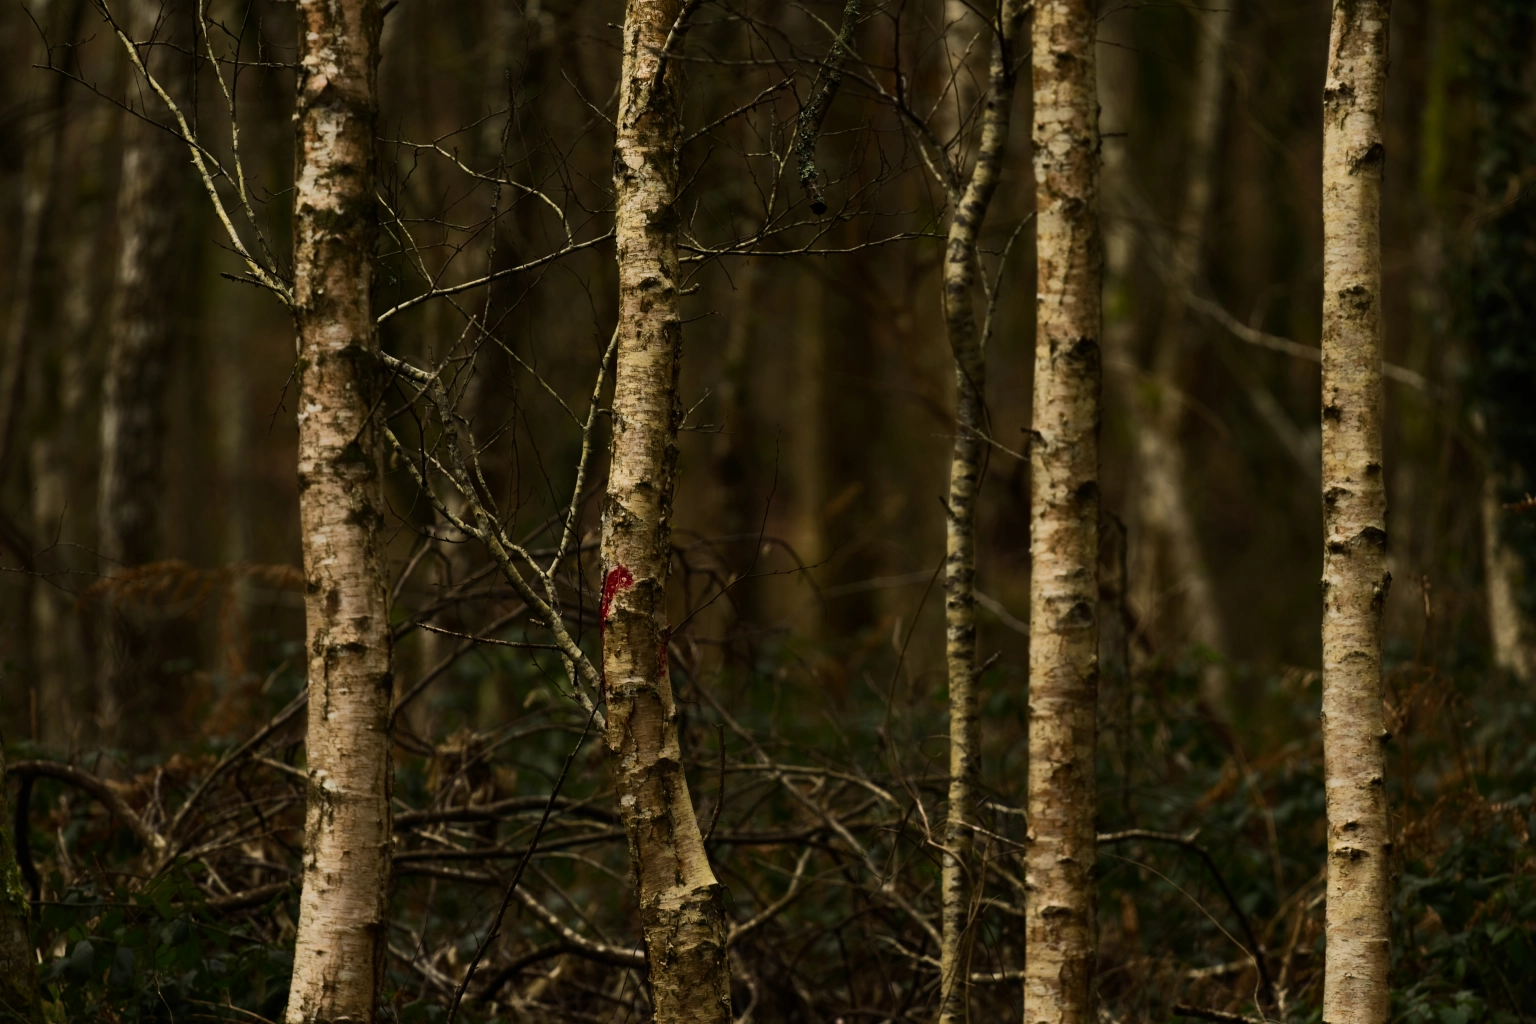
{"x": 619, "y": 578}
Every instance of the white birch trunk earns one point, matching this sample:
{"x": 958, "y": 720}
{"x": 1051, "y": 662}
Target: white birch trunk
{"x": 1060, "y": 919}
{"x": 681, "y": 908}
{"x": 967, "y": 459}
{"x": 1355, "y": 577}
{"x": 342, "y": 940}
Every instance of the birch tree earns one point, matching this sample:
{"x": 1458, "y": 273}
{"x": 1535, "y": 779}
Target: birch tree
{"x": 342, "y": 930}
{"x": 341, "y": 938}
{"x": 681, "y": 910}
{"x": 1064, "y": 522}
{"x": 1355, "y": 578}
{"x": 969, "y": 198}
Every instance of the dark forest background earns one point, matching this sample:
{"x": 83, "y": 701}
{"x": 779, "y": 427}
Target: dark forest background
{"x": 813, "y": 463}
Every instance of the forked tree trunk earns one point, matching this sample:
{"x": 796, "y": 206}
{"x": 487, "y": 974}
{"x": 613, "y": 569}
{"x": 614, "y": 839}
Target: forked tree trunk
{"x": 1060, "y": 925}
{"x": 965, "y": 469}
{"x": 18, "y": 960}
{"x": 681, "y": 910}
{"x": 342, "y": 933}
{"x": 1355, "y": 577}
{"x": 1167, "y": 515}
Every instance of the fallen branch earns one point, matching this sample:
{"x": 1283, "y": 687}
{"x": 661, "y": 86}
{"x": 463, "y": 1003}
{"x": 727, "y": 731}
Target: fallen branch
{"x": 602, "y": 952}
{"x": 494, "y": 811}
{"x": 95, "y": 786}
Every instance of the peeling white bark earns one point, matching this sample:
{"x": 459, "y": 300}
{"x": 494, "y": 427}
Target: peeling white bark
{"x": 970, "y": 205}
{"x": 1060, "y": 923}
{"x": 341, "y": 943}
{"x": 1355, "y": 577}
{"x": 681, "y": 908}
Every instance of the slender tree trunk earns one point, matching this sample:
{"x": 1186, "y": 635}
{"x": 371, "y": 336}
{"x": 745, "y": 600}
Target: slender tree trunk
{"x": 1355, "y": 578}
{"x": 141, "y": 342}
{"x": 342, "y": 940}
{"x": 965, "y": 471}
{"x": 1507, "y": 625}
{"x": 1167, "y": 515}
{"x": 681, "y": 911}
{"x": 18, "y": 960}
{"x": 1060, "y": 923}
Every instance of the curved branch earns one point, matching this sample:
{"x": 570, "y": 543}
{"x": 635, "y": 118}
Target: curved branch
{"x": 602, "y": 952}
{"x": 97, "y": 787}
{"x": 768, "y": 913}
